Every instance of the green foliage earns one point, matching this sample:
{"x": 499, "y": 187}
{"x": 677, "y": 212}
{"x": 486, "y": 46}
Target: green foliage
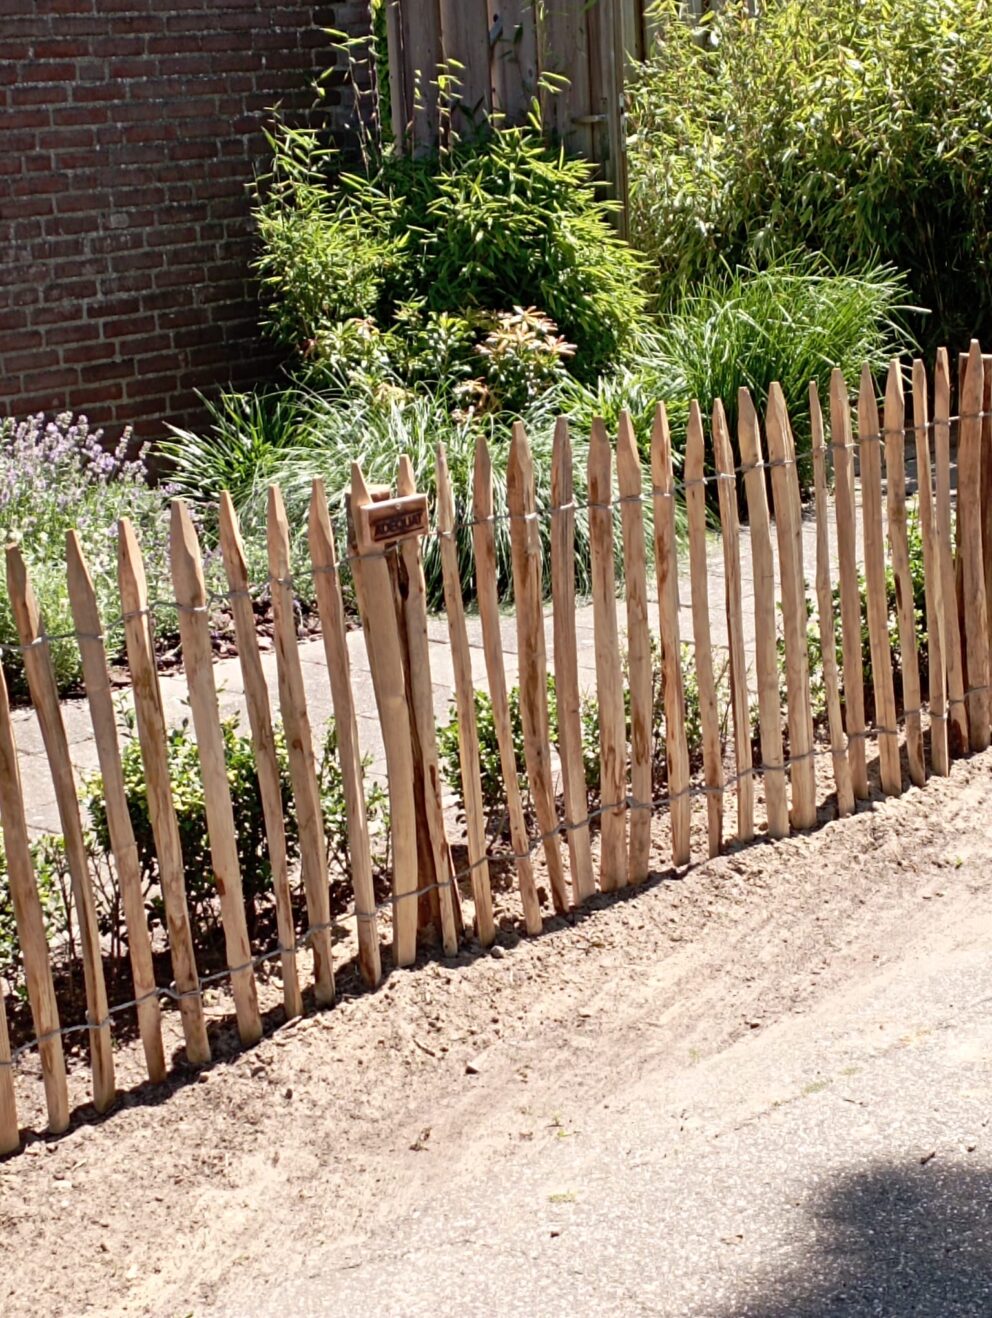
{"x": 498, "y": 223}
{"x": 329, "y": 431}
{"x": 188, "y": 798}
{"x": 861, "y": 131}
{"x": 55, "y": 475}
{"x": 791, "y": 322}
{"x": 55, "y": 903}
{"x": 491, "y": 774}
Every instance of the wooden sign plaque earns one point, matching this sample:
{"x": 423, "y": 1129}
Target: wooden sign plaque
{"x": 383, "y": 523}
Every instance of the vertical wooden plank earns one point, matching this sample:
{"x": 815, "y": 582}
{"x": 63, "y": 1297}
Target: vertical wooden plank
{"x": 264, "y": 746}
{"x": 10, "y": 1134}
{"x": 795, "y": 609}
{"x": 957, "y": 709}
{"x": 465, "y": 39}
{"x": 609, "y": 676}
{"x": 985, "y": 498}
{"x": 31, "y": 924}
{"x": 639, "y": 673}
{"x": 633, "y": 32}
{"x": 374, "y": 589}
{"x": 400, "y": 92}
{"x": 468, "y": 733}
{"x": 299, "y": 743}
{"x": 86, "y": 619}
{"x": 525, "y": 549}
{"x": 45, "y": 699}
{"x": 895, "y": 476}
{"x": 765, "y": 630}
{"x": 739, "y": 698}
{"x": 842, "y": 445}
{"x": 825, "y": 612}
{"x": 970, "y": 551}
{"x": 567, "y": 697}
{"x": 563, "y": 51}
{"x": 194, "y": 633}
{"x": 330, "y": 605}
{"x": 421, "y": 37}
{"x": 150, "y": 718}
{"x": 513, "y": 29}
{"x": 484, "y": 547}
{"x": 936, "y": 647}
{"x": 869, "y": 436}
{"x": 604, "y": 25}
{"x": 695, "y": 503}
{"x": 667, "y": 573}
{"x": 414, "y": 606}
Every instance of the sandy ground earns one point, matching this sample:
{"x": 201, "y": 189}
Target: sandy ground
{"x": 613, "y": 1117}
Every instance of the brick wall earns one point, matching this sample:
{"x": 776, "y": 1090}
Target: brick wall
{"x": 129, "y": 131}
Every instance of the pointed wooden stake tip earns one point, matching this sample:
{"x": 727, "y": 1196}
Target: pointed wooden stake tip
{"x": 359, "y": 489}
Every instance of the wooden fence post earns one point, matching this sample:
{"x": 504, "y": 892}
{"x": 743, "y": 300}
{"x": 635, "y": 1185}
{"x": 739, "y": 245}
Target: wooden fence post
{"x": 150, "y": 719}
{"x": 639, "y": 669}
{"x": 263, "y": 743}
{"x": 525, "y": 548}
{"x": 970, "y": 552}
{"x": 667, "y": 572}
{"x": 695, "y": 502}
{"x": 936, "y": 646}
{"x": 825, "y": 612}
{"x": 869, "y": 435}
{"x": 194, "y": 633}
{"x": 567, "y": 697}
{"x": 10, "y": 1132}
{"x": 895, "y": 474}
{"x": 842, "y": 447}
{"x": 765, "y": 631}
{"x": 45, "y": 699}
{"x": 609, "y": 678}
{"x": 330, "y": 605}
{"x": 795, "y": 607}
{"x": 484, "y": 547}
{"x": 468, "y": 733}
{"x": 374, "y": 589}
{"x": 413, "y": 599}
{"x": 89, "y": 630}
{"x": 957, "y": 709}
{"x": 299, "y": 743}
{"x": 739, "y": 697}
{"x": 31, "y": 924}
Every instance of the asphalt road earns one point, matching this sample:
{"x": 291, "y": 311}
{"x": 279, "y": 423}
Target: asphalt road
{"x": 835, "y": 1163}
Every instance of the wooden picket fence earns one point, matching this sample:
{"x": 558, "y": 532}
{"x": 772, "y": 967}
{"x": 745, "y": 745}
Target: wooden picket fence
{"x": 384, "y": 555}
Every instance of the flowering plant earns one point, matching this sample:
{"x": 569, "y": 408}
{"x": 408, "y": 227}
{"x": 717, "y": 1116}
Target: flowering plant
{"x": 56, "y": 475}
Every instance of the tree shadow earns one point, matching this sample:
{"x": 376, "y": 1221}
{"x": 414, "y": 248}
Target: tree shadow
{"x": 897, "y": 1239}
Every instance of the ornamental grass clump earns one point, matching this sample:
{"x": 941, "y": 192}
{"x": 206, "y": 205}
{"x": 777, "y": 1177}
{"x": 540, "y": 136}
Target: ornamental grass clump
{"x": 861, "y": 131}
{"x": 56, "y": 475}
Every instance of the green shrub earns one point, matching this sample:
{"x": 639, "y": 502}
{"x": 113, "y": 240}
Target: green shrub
{"x": 56, "y": 474}
{"x": 54, "y": 895}
{"x": 500, "y": 222}
{"x": 491, "y": 773}
{"x": 861, "y": 131}
{"x": 249, "y": 823}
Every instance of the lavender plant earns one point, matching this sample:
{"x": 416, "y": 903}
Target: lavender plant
{"x": 55, "y": 475}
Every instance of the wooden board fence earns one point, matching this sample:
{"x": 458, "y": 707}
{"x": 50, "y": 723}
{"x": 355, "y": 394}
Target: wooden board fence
{"x": 603, "y": 696}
